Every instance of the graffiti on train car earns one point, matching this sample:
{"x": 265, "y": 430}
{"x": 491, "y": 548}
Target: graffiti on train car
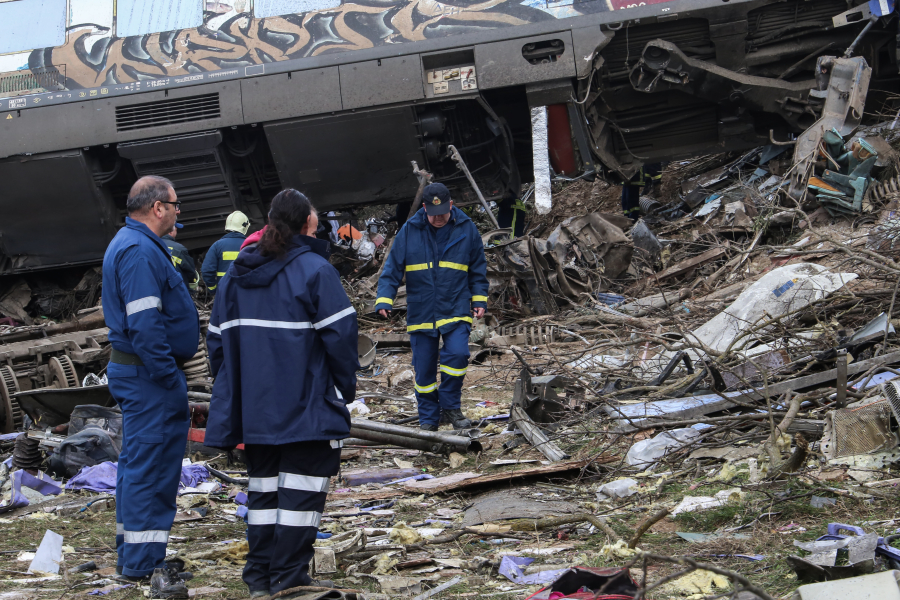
{"x": 232, "y": 37}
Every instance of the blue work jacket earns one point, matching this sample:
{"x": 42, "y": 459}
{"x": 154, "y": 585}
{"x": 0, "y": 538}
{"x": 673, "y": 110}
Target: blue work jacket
{"x": 441, "y": 288}
{"x": 146, "y": 303}
{"x": 282, "y": 343}
{"x": 219, "y": 257}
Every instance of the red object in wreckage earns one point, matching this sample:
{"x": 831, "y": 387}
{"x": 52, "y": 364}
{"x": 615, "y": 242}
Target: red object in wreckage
{"x": 199, "y": 435}
{"x": 559, "y": 140}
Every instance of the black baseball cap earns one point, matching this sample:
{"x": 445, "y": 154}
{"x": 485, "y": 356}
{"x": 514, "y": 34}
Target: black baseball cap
{"x": 436, "y": 199}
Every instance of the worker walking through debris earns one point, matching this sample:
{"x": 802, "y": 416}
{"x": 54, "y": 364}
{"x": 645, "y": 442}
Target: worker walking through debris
{"x": 441, "y": 254}
{"x": 222, "y": 253}
{"x": 153, "y": 328}
{"x": 181, "y": 258}
{"x": 282, "y": 346}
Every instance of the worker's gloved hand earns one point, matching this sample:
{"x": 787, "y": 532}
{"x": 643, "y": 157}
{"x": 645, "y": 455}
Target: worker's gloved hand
{"x": 478, "y": 312}
{"x": 385, "y": 313}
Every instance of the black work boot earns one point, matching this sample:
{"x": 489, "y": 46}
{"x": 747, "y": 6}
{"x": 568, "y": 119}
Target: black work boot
{"x": 259, "y": 593}
{"x": 165, "y": 584}
{"x": 428, "y": 427}
{"x": 129, "y": 578}
{"x": 457, "y": 419}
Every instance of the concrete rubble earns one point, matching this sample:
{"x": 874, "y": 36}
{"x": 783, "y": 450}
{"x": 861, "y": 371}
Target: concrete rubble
{"x": 704, "y": 403}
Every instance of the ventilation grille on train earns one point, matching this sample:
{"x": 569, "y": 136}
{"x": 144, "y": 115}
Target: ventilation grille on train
{"x": 47, "y": 78}
{"x": 781, "y": 16}
{"x": 167, "y": 112}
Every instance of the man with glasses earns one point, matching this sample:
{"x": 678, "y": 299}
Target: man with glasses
{"x": 153, "y": 328}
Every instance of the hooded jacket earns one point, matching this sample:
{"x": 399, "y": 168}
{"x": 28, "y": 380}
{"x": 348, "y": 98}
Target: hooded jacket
{"x": 441, "y": 288}
{"x": 219, "y": 257}
{"x": 282, "y": 342}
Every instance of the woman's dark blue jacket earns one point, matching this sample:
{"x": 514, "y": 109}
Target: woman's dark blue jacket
{"x": 282, "y": 343}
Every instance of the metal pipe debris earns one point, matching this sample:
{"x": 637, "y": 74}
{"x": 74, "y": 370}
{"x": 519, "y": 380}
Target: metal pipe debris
{"x": 457, "y": 442}
{"x": 378, "y": 437}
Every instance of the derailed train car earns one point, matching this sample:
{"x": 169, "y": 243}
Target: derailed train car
{"x": 234, "y": 100}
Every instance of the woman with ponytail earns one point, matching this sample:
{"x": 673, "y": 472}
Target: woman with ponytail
{"x": 282, "y": 344}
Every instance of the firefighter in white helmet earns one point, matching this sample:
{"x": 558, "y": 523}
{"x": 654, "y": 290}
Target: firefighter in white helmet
{"x": 223, "y": 252}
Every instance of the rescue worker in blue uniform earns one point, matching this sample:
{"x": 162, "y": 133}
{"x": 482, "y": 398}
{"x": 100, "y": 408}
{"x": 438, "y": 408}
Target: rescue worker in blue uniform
{"x": 440, "y": 252}
{"x": 153, "y": 328}
{"x": 649, "y": 175}
{"x": 181, "y": 258}
{"x": 282, "y": 342}
{"x": 222, "y": 253}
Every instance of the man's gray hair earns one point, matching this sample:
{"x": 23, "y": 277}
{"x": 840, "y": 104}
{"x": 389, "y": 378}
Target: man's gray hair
{"x": 147, "y": 190}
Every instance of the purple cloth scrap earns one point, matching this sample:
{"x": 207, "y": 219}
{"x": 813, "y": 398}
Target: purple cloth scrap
{"x": 98, "y": 478}
{"x": 44, "y": 484}
{"x": 513, "y": 568}
{"x": 241, "y": 512}
{"x": 102, "y": 478}
{"x": 240, "y": 498}
{"x": 193, "y": 475}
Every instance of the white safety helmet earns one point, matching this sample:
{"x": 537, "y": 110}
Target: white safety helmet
{"x": 237, "y": 221}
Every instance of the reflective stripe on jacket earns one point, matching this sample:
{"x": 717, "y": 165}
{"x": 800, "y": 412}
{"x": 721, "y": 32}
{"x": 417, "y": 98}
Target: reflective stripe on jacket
{"x": 147, "y": 306}
{"x": 282, "y": 343}
{"x": 441, "y": 290}
{"x": 182, "y": 261}
{"x": 219, "y": 257}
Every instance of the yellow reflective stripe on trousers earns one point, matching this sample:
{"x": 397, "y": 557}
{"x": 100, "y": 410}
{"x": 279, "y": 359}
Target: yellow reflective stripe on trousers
{"x": 452, "y": 371}
{"x": 426, "y": 389}
{"x": 229, "y": 255}
{"x": 384, "y": 301}
{"x": 220, "y": 274}
{"x": 419, "y": 267}
{"x": 453, "y": 320}
{"x": 479, "y": 298}
{"x": 453, "y": 265}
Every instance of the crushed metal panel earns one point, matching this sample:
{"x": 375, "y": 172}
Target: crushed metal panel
{"x": 844, "y": 83}
{"x": 140, "y": 17}
{"x": 860, "y": 430}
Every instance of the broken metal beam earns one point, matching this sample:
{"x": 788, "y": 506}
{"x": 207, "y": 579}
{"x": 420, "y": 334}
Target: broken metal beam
{"x": 696, "y": 406}
{"x": 535, "y": 436}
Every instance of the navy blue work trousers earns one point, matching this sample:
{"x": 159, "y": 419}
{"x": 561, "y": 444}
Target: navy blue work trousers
{"x": 288, "y": 486}
{"x": 154, "y": 437}
{"x": 432, "y": 399}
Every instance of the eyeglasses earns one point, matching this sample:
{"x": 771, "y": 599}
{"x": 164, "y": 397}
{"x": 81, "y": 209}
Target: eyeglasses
{"x": 176, "y": 203}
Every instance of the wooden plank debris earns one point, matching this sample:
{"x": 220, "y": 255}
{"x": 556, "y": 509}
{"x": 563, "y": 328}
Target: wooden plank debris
{"x": 453, "y": 483}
